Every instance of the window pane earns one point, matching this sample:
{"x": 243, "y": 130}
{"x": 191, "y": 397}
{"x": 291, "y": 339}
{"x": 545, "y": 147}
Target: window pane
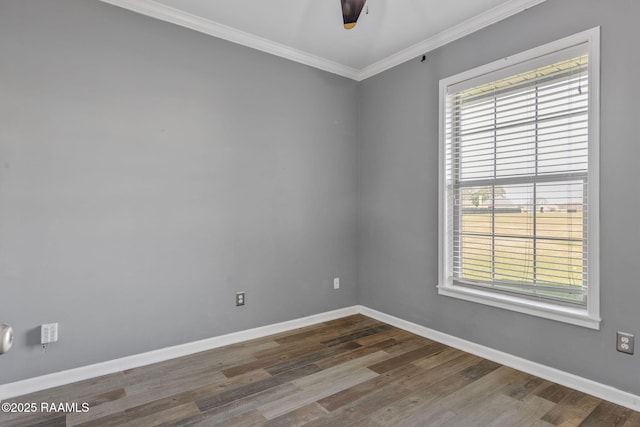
{"x": 559, "y": 262}
{"x": 475, "y": 258}
{"x": 514, "y": 260}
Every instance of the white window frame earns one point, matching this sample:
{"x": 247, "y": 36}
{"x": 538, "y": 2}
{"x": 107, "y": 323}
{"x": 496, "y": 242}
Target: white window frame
{"x": 588, "y": 316}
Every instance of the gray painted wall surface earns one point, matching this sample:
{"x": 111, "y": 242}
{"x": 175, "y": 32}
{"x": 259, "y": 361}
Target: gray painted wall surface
{"x": 148, "y": 172}
{"x": 398, "y": 193}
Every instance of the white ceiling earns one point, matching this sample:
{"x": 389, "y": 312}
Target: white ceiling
{"x": 311, "y": 31}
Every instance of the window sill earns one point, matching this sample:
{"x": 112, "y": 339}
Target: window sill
{"x": 574, "y": 316}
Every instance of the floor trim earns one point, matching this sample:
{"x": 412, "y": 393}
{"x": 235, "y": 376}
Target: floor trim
{"x": 69, "y": 376}
{"x": 584, "y": 385}
{"x": 566, "y": 379}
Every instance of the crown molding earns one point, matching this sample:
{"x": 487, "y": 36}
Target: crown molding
{"x": 162, "y": 12}
{"x": 459, "y": 31}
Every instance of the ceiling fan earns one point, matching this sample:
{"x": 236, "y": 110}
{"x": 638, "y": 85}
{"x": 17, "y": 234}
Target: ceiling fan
{"x": 351, "y": 11}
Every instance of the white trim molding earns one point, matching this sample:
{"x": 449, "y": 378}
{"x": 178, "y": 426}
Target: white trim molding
{"x": 166, "y": 13}
{"x": 490, "y": 17}
{"x": 56, "y": 379}
{"x": 566, "y": 379}
{"x": 584, "y": 385}
{"x": 162, "y": 12}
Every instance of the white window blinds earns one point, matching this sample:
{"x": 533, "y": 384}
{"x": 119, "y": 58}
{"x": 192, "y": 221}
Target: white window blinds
{"x": 517, "y": 173}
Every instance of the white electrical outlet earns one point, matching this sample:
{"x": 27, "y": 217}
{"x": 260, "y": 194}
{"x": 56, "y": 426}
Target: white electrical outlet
{"x": 240, "y": 299}
{"x": 48, "y": 333}
{"x": 624, "y": 342}
{"x": 336, "y": 283}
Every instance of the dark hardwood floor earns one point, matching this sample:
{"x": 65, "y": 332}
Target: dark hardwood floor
{"x": 353, "y": 371}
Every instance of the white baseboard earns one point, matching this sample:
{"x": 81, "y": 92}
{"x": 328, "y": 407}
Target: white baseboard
{"x": 584, "y": 385}
{"x": 566, "y": 379}
{"x": 56, "y": 379}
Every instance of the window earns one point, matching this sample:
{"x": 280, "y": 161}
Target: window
{"x": 519, "y": 182}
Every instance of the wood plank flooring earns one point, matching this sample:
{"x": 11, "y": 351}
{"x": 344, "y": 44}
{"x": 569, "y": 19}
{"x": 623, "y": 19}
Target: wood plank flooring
{"x": 353, "y": 371}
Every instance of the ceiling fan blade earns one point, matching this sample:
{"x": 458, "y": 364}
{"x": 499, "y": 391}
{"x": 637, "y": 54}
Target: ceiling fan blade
{"x": 351, "y": 11}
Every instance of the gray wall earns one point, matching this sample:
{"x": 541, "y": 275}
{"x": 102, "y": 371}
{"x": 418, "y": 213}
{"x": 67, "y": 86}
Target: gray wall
{"x": 398, "y": 193}
{"x": 148, "y": 172}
